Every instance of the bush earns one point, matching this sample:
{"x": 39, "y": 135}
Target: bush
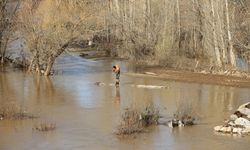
{"x": 135, "y": 121}
{"x": 14, "y": 111}
{"x": 44, "y": 126}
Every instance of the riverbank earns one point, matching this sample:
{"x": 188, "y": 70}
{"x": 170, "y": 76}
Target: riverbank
{"x": 227, "y": 78}
{"x": 219, "y": 77}
{"x": 196, "y": 77}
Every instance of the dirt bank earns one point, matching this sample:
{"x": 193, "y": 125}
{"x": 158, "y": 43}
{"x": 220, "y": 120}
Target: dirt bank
{"x": 187, "y": 76}
{"x": 228, "y": 78}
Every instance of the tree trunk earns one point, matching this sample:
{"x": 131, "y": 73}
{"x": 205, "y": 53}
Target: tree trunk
{"x": 118, "y": 14}
{"x": 224, "y": 59}
{"x": 31, "y": 64}
{"x": 35, "y": 61}
{"x": 49, "y": 66}
{"x": 178, "y": 25}
{"x": 131, "y": 15}
{"x": 194, "y": 32}
{"x": 124, "y": 20}
{"x": 54, "y": 56}
{"x": 3, "y": 51}
{"x": 2, "y": 57}
{"x": 38, "y": 69}
{"x": 230, "y": 44}
{"x": 216, "y": 48}
{"x": 200, "y": 17}
{"x": 108, "y": 20}
{"x": 165, "y": 27}
{"x": 148, "y": 18}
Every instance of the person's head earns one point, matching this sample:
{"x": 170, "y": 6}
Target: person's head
{"x": 114, "y": 68}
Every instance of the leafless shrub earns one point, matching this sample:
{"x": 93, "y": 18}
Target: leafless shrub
{"x": 135, "y": 121}
{"x": 45, "y": 126}
{"x": 14, "y": 111}
{"x": 50, "y": 27}
{"x": 186, "y": 115}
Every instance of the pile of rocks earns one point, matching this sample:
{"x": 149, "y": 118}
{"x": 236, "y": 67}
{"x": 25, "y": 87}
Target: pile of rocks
{"x": 239, "y": 122}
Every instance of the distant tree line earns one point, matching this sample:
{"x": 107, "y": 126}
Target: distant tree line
{"x": 214, "y": 32}
{"x": 209, "y": 33}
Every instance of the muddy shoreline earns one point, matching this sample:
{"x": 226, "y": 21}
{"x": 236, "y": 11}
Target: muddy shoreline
{"x": 194, "y": 77}
{"x": 163, "y": 73}
{"x": 239, "y": 80}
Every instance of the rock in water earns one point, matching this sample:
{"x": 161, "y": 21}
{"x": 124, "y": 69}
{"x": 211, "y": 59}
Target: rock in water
{"x": 217, "y": 128}
{"x": 239, "y": 114}
{"x": 223, "y": 129}
{"x": 239, "y": 122}
{"x": 246, "y": 131}
{"x": 233, "y": 117}
{"x": 246, "y": 105}
{"x": 242, "y": 122}
{"x": 244, "y": 111}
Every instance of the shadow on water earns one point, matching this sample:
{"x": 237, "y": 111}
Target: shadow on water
{"x": 87, "y": 115}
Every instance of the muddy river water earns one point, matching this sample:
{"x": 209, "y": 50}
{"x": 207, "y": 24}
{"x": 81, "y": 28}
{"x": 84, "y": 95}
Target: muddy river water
{"x": 86, "y": 115}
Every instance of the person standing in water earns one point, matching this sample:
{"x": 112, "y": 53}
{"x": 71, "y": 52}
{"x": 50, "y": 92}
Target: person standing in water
{"x": 117, "y": 71}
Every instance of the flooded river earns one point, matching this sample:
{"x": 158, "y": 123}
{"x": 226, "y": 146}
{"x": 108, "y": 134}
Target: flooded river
{"x": 86, "y": 115}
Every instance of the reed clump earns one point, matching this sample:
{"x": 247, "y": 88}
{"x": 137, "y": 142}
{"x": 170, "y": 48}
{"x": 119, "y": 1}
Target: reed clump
{"x": 45, "y": 126}
{"x": 136, "y": 121}
{"x": 14, "y": 111}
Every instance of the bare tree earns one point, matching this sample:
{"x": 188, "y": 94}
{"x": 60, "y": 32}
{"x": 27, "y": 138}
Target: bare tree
{"x": 8, "y": 10}
{"x": 230, "y": 43}
{"x": 48, "y": 30}
{"x": 158, "y": 31}
{"x": 216, "y": 47}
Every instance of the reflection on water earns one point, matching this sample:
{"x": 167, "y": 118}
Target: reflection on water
{"x": 86, "y": 115}
{"x": 117, "y": 95}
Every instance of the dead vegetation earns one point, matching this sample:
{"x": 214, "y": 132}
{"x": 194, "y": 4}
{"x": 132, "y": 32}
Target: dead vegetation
{"x": 14, "y": 112}
{"x": 183, "y": 120}
{"x": 136, "y": 121}
{"x": 156, "y": 32}
{"x": 49, "y": 28}
{"x": 185, "y": 116}
{"x": 45, "y": 126}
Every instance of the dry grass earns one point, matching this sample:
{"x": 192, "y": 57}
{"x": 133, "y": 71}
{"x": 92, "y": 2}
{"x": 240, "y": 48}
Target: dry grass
{"x": 14, "y": 111}
{"x": 45, "y": 126}
{"x": 135, "y": 121}
{"x": 186, "y": 114}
